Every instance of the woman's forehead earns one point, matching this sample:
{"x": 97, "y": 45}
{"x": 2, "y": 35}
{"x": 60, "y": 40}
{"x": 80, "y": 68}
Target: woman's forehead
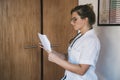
{"x": 74, "y": 14}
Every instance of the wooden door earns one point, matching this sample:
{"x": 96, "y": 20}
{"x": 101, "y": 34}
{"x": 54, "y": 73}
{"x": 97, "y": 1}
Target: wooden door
{"x": 19, "y": 54}
{"x": 56, "y": 25}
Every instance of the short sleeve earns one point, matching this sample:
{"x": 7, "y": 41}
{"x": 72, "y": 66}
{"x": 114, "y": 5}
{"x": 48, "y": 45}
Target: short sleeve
{"x": 89, "y": 52}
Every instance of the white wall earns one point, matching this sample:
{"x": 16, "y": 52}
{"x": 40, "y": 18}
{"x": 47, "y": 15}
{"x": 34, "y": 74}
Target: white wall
{"x": 108, "y": 66}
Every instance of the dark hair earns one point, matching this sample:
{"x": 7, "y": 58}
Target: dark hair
{"x": 85, "y": 11}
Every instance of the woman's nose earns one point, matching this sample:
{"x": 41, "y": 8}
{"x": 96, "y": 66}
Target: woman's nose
{"x": 72, "y": 23}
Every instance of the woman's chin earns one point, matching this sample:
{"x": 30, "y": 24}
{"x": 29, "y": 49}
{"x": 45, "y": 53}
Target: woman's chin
{"x": 76, "y": 29}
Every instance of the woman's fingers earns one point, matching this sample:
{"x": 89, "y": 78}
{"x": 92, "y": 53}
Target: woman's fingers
{"x": 41, "y": 46}
{"x": 51, "y": 54}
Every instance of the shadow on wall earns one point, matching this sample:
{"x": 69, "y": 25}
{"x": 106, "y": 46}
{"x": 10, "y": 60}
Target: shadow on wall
{"x": 108, "y": 67}
{"x": 100, "y": 64}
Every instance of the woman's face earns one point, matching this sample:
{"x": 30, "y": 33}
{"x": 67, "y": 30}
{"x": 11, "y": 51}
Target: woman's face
{"x": 77, "y": 22}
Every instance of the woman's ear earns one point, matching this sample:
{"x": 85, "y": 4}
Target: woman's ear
{"x": 86, "y": 19}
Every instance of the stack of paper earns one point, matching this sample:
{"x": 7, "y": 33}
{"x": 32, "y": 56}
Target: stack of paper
{"x": 45, "y": 42}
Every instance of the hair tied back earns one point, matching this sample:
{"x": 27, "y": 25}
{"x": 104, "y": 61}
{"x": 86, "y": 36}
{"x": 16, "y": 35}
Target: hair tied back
{"x": 90, "y": 5}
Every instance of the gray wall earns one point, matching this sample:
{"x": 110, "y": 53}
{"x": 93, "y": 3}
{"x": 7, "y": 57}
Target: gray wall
{"x": 108, "y": 66}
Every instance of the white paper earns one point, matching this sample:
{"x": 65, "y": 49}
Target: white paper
{"x": 45, "y": 42}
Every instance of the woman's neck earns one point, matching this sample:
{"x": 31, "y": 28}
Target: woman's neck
{"x": 84, "y": 30}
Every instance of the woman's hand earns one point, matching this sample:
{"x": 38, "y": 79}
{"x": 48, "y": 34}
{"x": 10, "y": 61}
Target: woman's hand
{"x": 52, "y": 55}
{"x": 41, "y": 46}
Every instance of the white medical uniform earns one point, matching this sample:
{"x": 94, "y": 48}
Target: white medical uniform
{"x": 85, "y": 50}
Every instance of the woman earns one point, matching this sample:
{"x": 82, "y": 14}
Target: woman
{"x": 83, "y": 50}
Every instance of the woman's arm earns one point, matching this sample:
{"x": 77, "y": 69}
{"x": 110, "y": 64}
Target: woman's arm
{"x": 60, "y": 55}
{"x": 60, "y": 60}
{"x": 76, "y": 68}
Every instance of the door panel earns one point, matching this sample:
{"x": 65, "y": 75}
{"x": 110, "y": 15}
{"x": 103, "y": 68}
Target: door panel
{"x": 56, "y": 25}
{"x": 19, "y": 25}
